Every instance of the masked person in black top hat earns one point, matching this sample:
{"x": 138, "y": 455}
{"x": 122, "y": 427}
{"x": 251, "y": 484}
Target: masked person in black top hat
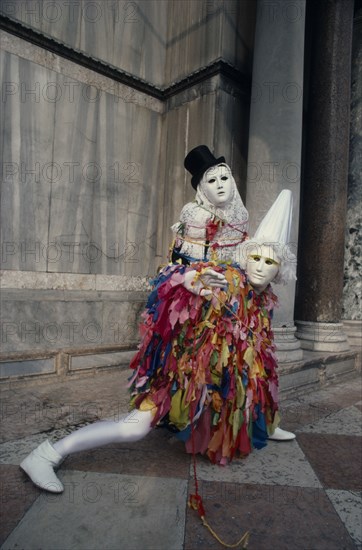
{"x": 214, "y": 225}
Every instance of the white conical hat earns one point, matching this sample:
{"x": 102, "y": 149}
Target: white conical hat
{"x": 274, "y": 231}
{"x": 276, "y": 225}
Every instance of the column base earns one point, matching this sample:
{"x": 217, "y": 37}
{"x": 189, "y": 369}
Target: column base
{"x": 322, "y": 336}
{"x": 353, "y": 330}
{"x": 288, "y": 346}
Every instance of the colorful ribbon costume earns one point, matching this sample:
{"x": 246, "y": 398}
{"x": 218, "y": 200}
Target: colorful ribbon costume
{"x": 209, "y": 360}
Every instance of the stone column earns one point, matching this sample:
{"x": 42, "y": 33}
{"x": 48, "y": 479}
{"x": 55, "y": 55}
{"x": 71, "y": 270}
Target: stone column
{"x": 352, "y": 299}
{"x": 320, "y": 273}
{"x": 275, "y": 136}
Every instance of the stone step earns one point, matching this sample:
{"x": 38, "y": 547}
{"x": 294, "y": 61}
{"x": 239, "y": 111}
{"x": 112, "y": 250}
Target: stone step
{"x": 317, "y": 369}
{"x": 314, "y": 371}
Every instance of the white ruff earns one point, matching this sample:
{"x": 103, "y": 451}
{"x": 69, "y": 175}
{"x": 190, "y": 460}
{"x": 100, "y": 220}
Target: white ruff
{"x": 191, "y": 229}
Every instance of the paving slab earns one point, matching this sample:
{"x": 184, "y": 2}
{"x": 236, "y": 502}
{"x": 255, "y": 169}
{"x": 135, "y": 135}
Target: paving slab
{"x": 344, "y": 422}
{"x": 336, "y": 459}
{"x": 348, "y": 505}
{"x": 105, "y": 511}
{"x": 303, "y": 411}
{"x": 17, "y": 495}
{"x": 279, "y": 463}
{"x": 281, "y": 518}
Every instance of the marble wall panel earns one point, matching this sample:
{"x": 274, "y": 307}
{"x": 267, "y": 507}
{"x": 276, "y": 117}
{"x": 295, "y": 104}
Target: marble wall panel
{"x": 75, "y": 153}
{"x": 36, "y": 320}
{"x": 143, "y": 199}
{"x": 121, "y": 322}
{"x": 80, "y": 165}
{"x": 141, "y": 246}
{"x": 110, "y": 194}
{"x": 194, "y": 37}
{"x": 125, "y": 205}
{"x": 231, "y": 134}
{"x": 160, "y": 41}
{"x": 202, "y": 32}
{"x": 38, "y": 324}
{"x": 129, "y": 35}
{"x": 26, "y": 368}
{"x": 26, "y": 50}
{"x": 27, "y": 154}
{"x": 40, "y": 320}
{"x": 83, "y": 210}
{"x": 238, "y": 37}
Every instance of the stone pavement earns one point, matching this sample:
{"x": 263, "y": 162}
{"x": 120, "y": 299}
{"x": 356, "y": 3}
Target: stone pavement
{"x": 301, "y": 495}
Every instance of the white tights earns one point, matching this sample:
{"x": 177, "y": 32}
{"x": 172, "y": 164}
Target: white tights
{"x": 132, "y": 427}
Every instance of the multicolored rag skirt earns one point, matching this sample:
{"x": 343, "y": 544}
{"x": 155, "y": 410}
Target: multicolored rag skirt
{"x": 206, "y": 365}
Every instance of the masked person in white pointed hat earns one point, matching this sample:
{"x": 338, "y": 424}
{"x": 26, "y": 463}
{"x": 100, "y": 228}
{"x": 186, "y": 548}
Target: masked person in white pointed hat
{"x": 267, "y": 258}
{"x": 206, "y": 366}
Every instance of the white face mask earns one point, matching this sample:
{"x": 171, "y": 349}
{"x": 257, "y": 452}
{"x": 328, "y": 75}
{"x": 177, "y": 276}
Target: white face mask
{"x": 262, "y": 266}
{"x": 217, "y": 186}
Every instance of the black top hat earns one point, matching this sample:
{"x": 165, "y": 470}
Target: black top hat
{"x": 198, "y": 161}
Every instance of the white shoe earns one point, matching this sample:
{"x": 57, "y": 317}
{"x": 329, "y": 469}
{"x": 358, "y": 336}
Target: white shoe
{"x": 281, "y": 435}
{"x": 39, "y": 467}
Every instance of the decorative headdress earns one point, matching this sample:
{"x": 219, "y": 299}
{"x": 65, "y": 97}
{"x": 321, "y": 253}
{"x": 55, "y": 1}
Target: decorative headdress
{"x": 274, "y": 232}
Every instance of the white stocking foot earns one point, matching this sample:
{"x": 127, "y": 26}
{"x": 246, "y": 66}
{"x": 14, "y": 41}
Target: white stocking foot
{"x": 39, "y": 466}
{"x": 281, "y": 435}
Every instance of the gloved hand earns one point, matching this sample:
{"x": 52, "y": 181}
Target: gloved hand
{"x": 203, "y": 283}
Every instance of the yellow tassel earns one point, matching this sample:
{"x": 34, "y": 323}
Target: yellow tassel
{"x": 244, "y": 539}
{"x": 195, "y": 502}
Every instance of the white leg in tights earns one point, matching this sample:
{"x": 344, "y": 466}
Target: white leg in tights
{"x": 40, "y": 463}
{"x": 132, "y": 427}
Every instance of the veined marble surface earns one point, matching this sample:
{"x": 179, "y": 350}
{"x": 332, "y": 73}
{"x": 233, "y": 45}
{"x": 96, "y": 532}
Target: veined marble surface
{"x": 160, "y": 41}
{"x": 352, "y": 284}
{"x": 35, "y": 54}
{"x": 89, "y": 187}
{"x": 114, "y": 31}
{"x": 79, "y": 175}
